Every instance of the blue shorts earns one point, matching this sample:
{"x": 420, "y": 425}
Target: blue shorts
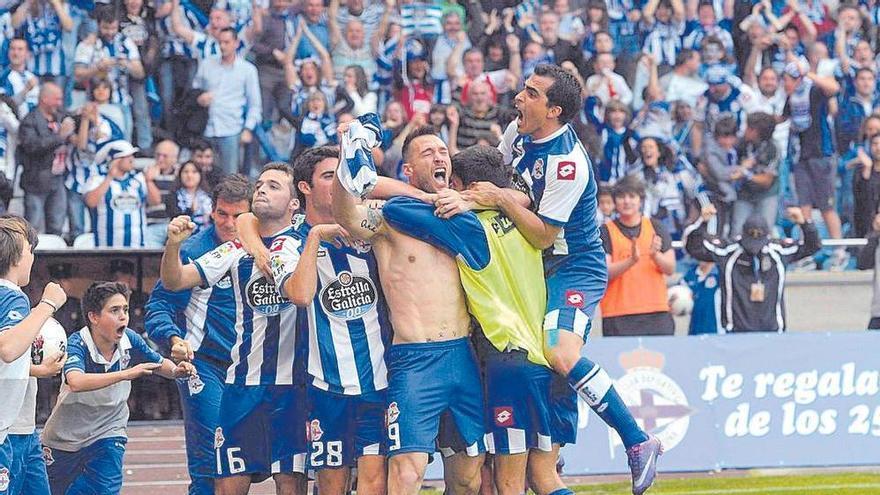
{"x": 262, "y": 431}
{"x": 344, "y": 427}
{"x": 5, "y": 466}
{"x": 575, "y": 285}
{"x": 28, "y": 472}
{"x": 563, "y": 410}
{"x": 518, "y": 403}
{"x": 426, "y": 381}
{"x": 96, "y": 468}
{"x": 200, "y": 397}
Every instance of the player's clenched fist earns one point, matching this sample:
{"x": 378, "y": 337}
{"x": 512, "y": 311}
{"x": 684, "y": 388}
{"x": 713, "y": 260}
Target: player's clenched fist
{"x": 180, "y": 229}
{"x": 54, "y": 294}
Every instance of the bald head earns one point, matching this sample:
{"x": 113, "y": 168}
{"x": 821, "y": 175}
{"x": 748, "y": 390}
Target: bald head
{"x": 166, "y": 155}
{"x": 50, "y": 97}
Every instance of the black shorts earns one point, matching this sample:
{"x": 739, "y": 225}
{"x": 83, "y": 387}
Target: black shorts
{"x": 814, "y": 182}
{"x": 660, "y": 323}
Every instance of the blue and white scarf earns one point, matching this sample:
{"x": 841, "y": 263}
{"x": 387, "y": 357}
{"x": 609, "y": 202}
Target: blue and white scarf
{"x": 357, "y": 172}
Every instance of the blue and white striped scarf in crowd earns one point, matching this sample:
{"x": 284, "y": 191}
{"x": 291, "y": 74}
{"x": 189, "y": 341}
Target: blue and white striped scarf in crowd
{"x": 357, "y": 172}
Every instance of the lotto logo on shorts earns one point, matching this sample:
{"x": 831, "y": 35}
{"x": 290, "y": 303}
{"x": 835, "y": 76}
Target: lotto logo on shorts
{"x": 47, "y": 456}
{"x": 574, "y": 299}
{"x": 565, "y": 171}
{"x": 315, "y": 431}
{"x": 4, "y": 479}
{"x": 393, "y": 413}
{"x": 503, "y": 417}
{"x": 218, "y": 438}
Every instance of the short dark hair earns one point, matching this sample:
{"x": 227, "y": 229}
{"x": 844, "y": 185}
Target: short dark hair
{"x": 97, "y": 295}
{"x": 630, "y": 184}
{"x": 304, "y": 167}
{"x": 232, "y": 189}
{"x": 106, "y": 14}
{"x": 605, "y": 190}
{"x": 283, "y": 167}
{"x": 425, "y": 130}
{"x": 683, "y": 56}
{"x": 13, "y": 232}
{"x": 229, "y": 30}
{"x": 200, "y": 144}
{"x": 726, "y": 126}
{"x": 864, "y": 69}
{"x": 763, "y": 123}
{"x": 565, "y": 92}
{"x": 481, "y": 163}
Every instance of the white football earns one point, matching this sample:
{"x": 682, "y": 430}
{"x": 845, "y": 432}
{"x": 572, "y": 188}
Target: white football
{"x": 681, "y": 300}
{"x": 51, "y": 339}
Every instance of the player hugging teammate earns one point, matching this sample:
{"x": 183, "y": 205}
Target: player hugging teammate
{"x": 353, "y": 339}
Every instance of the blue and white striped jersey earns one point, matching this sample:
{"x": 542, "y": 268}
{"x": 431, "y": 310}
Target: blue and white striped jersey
{"x": 14, "y": 307}
{"x": 172, "y": 44}
{"x": 13, "y": 82}
{"x": 265, "y": 321}
{"x": 241, "y": 12}
{"x": 561, "y": 182}
{"x": 120, "y": 216}
{"x": 120, "y": 47}
{"x": 43, "y": 34}
{"x": 347, "y": 322}
{"x": 204, "y": 46}
{"x": 81, "y": 163}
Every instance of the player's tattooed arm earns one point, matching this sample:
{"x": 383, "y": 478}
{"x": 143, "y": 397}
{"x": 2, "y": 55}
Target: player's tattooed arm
{"x": 361, "y": 221}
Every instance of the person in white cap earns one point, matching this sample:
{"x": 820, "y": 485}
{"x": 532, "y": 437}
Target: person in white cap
{"x": 119, "y": 194}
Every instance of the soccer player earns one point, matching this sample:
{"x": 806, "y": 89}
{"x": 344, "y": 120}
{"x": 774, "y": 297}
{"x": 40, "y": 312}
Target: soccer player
{"x": 198, "y": 325}
{"x": 84, "y": 437}
{"x": 545, "y": 151}
{"x": 503, "y": 278}
{"x": 347, "y": 326}
{"x": 431, "y": 327}
{"x": 261, "y": 426}
{"x": 19, "y": 326}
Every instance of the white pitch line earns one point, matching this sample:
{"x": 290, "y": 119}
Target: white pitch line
{"x": 781, "y": 489}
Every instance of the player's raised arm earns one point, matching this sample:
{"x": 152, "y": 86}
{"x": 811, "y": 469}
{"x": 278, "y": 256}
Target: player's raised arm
{"x": 360, "y": 221}
{"x": 174, "y": 274}
{"x": 539, "y": 233}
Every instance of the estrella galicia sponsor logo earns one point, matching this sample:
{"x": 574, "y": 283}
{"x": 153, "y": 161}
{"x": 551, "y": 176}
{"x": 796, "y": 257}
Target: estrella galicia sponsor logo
{"x": 349, "y": 296}
{"x": 125, "y": 203}
{"x": 264, "y": 299}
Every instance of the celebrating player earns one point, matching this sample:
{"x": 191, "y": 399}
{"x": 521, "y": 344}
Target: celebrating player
{"x": 348, "y": 329}
{"x": 431, "y": 327}
{"x": 204, "y": 335}
{"x": 19, "y": 326}
{"x": 548, "y": 155}
{"x": 85, "y": 434}
{"x": 260, "y": 430}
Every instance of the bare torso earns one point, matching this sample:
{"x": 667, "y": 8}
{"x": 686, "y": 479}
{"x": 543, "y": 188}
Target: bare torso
{"x": 423, "y": 290}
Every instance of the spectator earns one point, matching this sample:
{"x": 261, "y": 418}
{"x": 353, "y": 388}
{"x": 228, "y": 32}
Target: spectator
{"x": 16, "y": 81}
{"x": 307, "y": 75}
{"x": 702, "y": 279}
{"x": 479, "y": 118}
{"x": 704, "y": 24}
{"x": 164, "y": 177}
{"x": 663, "y": 23}
{"x": 119, "y": 195}
{"x": 866, "y": 186}
{"x": 811, "y": 139}
{"x": 190, "y": 197}
{"x": 231, "y": 93}
{"x": 500, "y": 81}
{"x": 571, "y": 27}
{"x": 316, "y": 20}
{"x": 269, "y": 56}
{"x": 368, "y": 12}
{"x": 95, "y": 130}
{"x": 769, "y": 97}
{"x": 42, "y": 154}
{"x": 720, "y": 170}
{"x": 177, "y": 64}
{"x": 722, "y": 98}
{"x": 357, "y": 91}
{"x": 317, "y": 127}
{"x": 416, "y": 90}
{"x": 854, "y": 107}
{"x": 136, "y": 24}
{"x": 444, "y": 47}
{"x": 683, "y": 82}
{"x": 605, "y": 205}
{"x": 43, "y": 22}
{"x": 639, "y": 253}
{"x": 606, "y": 84}
{"x": 563, "y": 50}
{"x": 617, "y": 139}
{"x": 759, "y": 161}
{"x": 202, "y": 154}
{"x": 113, "y": 54}
{"x": 206, "y": 44}
{"x": 753, "y": 268}
{"x": 349, "y": 43}
{"x": 868, "y": 259}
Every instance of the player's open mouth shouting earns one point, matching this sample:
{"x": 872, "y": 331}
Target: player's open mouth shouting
{"x": 441, "y": 175}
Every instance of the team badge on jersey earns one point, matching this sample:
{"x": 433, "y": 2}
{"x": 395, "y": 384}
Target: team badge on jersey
{"x": 195, "y": 384}
{"x": 4, "y": 479}
{"x": 565, "y": 171}
{"x": 574, "y": 299}
{"x": 538, "y": 171}
{"x": 393, "y": 413}
{"x": 349, "y": 296}
{"x": 124, "y": 360}
{"x": 225, "y": 282}
{"x": 218, "y": 438}
{"x": 503, "y": 416}
{"x": 14, "y": 316}
{"x": 47, "y": 456}
{"x": 263, "y": 297}
{"x": 315, "y": 431}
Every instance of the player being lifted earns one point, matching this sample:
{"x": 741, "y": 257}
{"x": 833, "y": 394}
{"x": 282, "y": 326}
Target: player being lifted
{"x": 546, "y": 152}
{"x": 347, "y": 326}
{"x": 431, "y": 327}
{"x": 261, "y": 413}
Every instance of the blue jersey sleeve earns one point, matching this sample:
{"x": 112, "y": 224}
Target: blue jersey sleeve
{"x": 14, "y": 307}
{"x": 460, "y": 236}
{"x": 140, "y": 351}
{"x": 162, "y": 312}
{"x": 77, "y": 352}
